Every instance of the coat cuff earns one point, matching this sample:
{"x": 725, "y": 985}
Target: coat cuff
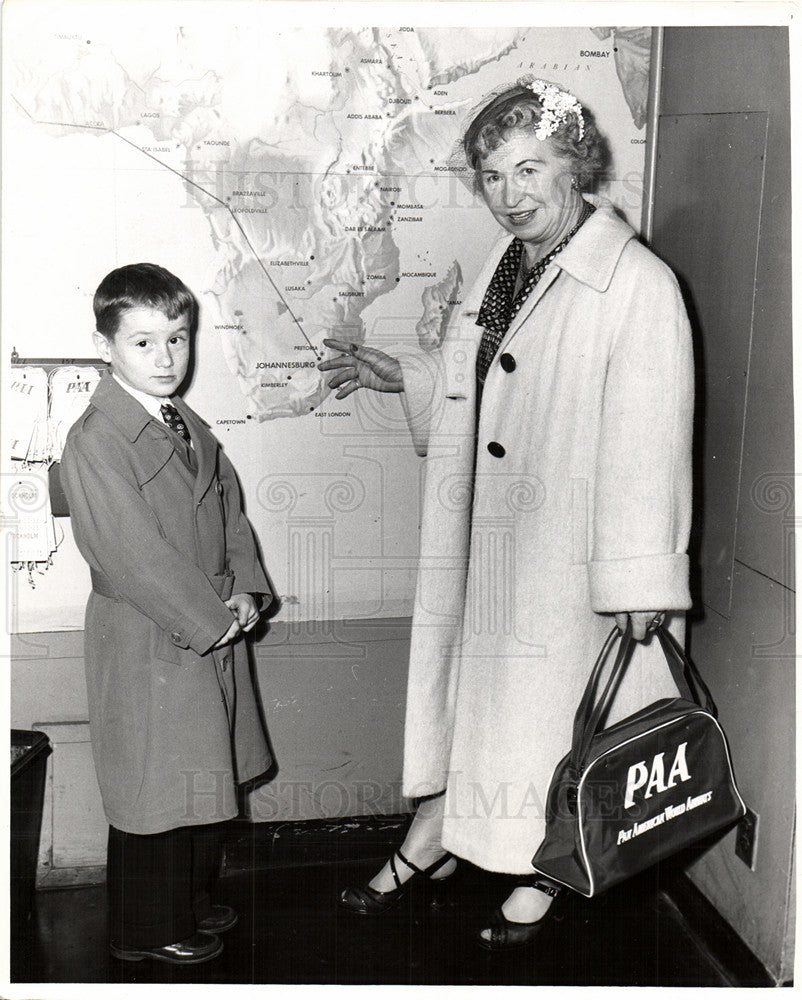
{"x": 201, "y": 638}
{"x": 642, "y": 583}
{"x": 250, "y": 583}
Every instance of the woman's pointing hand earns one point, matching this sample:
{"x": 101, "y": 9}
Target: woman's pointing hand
{"x": 360, "y": 367}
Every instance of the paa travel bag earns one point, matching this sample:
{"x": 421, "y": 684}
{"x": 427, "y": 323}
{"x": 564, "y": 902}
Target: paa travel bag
{"x": 652, "y": 784}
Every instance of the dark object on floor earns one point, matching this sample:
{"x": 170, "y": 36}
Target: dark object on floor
{"x": 29, "y": 753}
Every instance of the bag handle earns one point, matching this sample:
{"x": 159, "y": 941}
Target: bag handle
{"x": 673, "y": 651}
{"x": 585, "y": 707}
{"x": 591, "y": 709}
{"x": 599, "y": 706}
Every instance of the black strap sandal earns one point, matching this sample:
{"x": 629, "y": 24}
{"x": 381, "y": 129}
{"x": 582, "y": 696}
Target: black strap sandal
{"x": 368, "y": 902}
{"x": 507, "y": 934}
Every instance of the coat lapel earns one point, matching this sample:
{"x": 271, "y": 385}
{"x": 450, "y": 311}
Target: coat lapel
{"x": 591, "y": 257}
{"x": 154, "y": 451}
{"x": 152, "y": 445}
{"x": 532, "y": 300}
{"x": 120, "y": 407}
{"x": 205, "y": 446}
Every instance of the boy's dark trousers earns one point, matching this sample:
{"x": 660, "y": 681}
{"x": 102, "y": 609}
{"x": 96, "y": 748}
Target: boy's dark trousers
{"x": 159, "y": 884}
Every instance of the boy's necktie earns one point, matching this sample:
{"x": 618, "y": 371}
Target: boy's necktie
{"x": 175, "y": 421}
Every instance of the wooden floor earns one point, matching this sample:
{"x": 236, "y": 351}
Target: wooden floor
{"x": 284, "y": 884}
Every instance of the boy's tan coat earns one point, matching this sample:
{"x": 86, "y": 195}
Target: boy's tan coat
{"x": 174, "y": 725}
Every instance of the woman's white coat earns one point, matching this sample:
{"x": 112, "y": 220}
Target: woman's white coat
{"x": 525, "y": 554}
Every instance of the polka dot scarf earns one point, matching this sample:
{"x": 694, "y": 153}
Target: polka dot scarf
{"x": 500, "y": 304}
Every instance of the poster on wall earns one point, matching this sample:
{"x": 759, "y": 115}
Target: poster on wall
{"x": 302, "y": 181}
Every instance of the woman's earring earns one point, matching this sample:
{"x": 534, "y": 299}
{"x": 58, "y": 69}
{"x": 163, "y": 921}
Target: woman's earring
{"x": 574, "y": 183}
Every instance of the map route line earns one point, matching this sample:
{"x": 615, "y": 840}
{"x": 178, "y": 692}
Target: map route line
{"x": 188, "y": 180}
{"x": 236, "y": 222}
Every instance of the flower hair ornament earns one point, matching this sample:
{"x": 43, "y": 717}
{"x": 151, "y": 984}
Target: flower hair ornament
{"x": 557, "y": 105}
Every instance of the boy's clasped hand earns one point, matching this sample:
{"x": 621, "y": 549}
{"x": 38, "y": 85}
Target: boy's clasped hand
{"x": 246, "y": 615}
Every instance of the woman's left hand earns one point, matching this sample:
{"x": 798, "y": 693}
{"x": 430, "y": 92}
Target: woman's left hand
{"x": 642, "y": 622}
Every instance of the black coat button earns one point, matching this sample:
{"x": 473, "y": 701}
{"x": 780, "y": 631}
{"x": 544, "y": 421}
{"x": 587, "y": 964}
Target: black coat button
{"x": 507, "y": 362}
{"x": 496, "y": 449}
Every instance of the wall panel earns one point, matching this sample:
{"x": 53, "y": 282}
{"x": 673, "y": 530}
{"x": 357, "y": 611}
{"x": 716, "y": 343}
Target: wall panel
{"x": 708, "y": 233}
{"x": 722, "y": 207}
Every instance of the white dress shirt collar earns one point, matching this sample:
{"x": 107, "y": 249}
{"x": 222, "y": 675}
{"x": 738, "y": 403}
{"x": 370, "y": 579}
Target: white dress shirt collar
{"x": 151, "y": 403}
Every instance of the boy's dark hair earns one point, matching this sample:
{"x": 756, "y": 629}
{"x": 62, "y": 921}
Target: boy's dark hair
{"x": 137, "y": 285}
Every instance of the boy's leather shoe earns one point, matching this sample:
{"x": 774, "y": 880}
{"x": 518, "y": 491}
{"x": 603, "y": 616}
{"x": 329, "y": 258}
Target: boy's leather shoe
{"x": 195, "y": 949}
{"x": 222, "y": 918}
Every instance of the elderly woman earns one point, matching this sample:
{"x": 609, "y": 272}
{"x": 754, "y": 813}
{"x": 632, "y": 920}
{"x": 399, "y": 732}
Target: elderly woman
{"x": 556, "y": 417}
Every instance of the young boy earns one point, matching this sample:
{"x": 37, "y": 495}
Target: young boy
{"x": 176, "y": 581}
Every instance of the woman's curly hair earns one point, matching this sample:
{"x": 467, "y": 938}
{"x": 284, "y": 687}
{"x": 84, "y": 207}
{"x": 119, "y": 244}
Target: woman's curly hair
{"x": 518, "y": 108}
